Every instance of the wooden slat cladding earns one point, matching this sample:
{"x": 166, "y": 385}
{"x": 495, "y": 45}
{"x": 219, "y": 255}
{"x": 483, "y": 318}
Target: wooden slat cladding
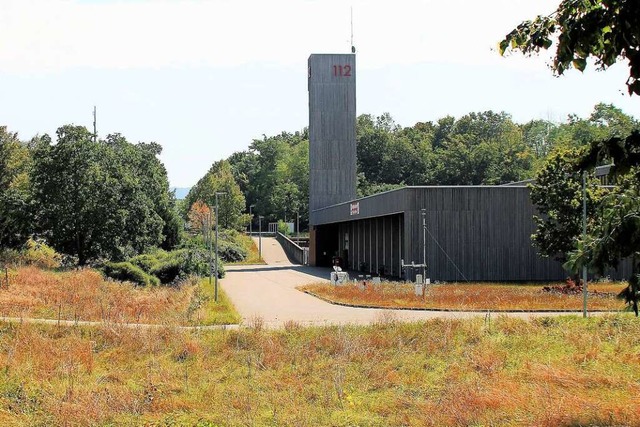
{"x": 332, "y": 130}
{"x": 479, "y": 233}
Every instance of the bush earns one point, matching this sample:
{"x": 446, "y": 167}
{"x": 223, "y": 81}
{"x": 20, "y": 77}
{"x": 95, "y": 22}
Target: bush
{"x": 34, "y": 253}
{"x": 231, "y": 251}
{"x": 168, "y": 267}
{"x": 196, "y": 261}
{"x": 147, "y": 262}
{"x": 168, "y": 270}
{"x": 125, "y": 271}
{"x": 283, "y": 228}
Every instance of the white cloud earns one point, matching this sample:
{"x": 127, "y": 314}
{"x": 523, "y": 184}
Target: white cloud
{"x": 53, "y": 35}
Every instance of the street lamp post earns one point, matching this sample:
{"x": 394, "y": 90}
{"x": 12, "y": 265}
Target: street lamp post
{"x": 584, "y": 237}
{"x": 215, "y": 294}
{"x": 423, "y": 212}
{"x": 251, "y": 221}
{"x": 206, "y": 225}
{"x": 298, "y": 227}
{"x": 260, "y": 235}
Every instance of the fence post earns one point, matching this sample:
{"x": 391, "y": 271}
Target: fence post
{"x": 6, "y": 275}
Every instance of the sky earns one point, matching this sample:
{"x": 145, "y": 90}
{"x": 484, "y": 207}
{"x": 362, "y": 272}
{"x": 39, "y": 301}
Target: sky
{"x": 203, "y": 78}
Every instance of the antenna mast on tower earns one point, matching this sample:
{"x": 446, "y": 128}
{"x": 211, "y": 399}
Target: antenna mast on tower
{"x": 353, "y": 48}
{"x": 95, "y": 132}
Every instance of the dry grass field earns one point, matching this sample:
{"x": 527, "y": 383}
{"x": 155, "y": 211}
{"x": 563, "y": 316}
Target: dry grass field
{"x": 474, "y": 296}
{"x": 501, "y": 372}
{"x": 86, "y": 295}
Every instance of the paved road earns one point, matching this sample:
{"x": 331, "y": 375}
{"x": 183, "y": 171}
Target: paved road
{"x": 267, "y": 292}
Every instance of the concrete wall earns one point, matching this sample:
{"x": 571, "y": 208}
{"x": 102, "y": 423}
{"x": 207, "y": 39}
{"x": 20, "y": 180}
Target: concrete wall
{"x": 332, "y": 130}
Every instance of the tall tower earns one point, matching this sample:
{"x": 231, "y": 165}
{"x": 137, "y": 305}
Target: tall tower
{"x": 332, "y": 130}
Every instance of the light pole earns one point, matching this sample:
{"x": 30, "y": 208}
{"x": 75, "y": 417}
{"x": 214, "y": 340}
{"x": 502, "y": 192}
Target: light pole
{"x": 215, "y": 294}
{"x": 206, "y": 225}
{"x": 298, "y": 227}
{"x": 260, "y": 235}
{"x": 251, "y": 221}
{"x": 423, "y": 212}
{"x": 584, "y": 238}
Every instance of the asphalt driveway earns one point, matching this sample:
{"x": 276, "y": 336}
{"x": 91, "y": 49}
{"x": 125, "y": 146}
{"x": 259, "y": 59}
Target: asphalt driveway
{"x": 267, "y": 292}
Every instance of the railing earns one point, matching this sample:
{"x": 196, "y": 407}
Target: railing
{"x": 293, "y": 251}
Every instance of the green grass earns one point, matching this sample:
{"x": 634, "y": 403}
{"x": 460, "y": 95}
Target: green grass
{"x": 253, "y": 256}
{"x": 215, "y": 313}
{"x": 562, "y": 371}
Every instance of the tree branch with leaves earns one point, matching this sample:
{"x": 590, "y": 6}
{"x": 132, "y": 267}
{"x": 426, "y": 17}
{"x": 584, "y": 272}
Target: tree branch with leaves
{"x": 605, "y": 30}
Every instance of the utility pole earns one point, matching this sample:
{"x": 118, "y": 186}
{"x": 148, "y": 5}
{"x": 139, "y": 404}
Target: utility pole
{"x": 215, "y": 294}
{"x": 95, "y": 131}
{"x": 584, "y": 238}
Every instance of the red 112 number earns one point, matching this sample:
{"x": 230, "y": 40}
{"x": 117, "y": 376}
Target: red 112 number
{"x": 342, "y": 70}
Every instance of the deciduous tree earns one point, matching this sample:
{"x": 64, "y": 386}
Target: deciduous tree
{"x": 606, "y": 30}
{"x": 99, "y": 199}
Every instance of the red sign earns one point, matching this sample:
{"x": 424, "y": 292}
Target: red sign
{"x": 355, "y": 208}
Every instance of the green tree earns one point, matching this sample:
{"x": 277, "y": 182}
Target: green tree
{"x": 606, "y": 30}
{"x": 99, "y": 199}
{"x": 481, "y": 148}
{"x": 274, "y": 175}
{"x": 219, "y": 179}
{"x": 372, "y": 139}
{"x": 15, "y": 209}
{"x": 618, "y": 234}
{"x": 557, "y": 195}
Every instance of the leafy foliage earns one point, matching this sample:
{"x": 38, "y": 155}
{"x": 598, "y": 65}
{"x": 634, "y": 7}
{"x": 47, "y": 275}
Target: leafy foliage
{"x": 606, "y": 30}
{"x": 176, "y": 265}
{"x": 618, "y": 234}
{"x": 220, "y": 179}
{"x": 15, "y": 209}
{"x": 557, "y": 194}
{"x": 34, "y": 253}
{"x": 101, "y": 199}
{"x": 125, "y": 271}
{"x": 274, "y": 176}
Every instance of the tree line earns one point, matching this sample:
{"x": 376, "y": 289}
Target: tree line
{"x": 89, "y": 199}
{"x": 485, "y": 148}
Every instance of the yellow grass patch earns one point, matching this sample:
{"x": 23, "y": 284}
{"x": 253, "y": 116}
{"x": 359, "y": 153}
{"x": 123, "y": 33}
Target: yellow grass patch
{"x": 86, "y": 295}
{"x": 472, "y": 296}
{"x": 436, "y": 373}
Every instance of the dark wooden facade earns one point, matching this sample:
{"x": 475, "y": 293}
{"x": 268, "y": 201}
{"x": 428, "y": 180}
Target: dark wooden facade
{"x": 478, "y": 233}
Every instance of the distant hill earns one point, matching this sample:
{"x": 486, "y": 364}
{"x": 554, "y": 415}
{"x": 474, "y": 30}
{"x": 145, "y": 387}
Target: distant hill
{"x": 181, "y": 193}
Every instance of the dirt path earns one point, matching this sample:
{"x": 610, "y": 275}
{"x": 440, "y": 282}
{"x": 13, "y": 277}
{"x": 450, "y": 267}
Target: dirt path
{"x": 267, "y": 292}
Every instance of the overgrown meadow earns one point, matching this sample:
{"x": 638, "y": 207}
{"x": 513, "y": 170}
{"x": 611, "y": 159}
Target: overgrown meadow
{"x": 86, "y": 295}
{"x": 548, "y": 372}
{"x": 472, "y": 296}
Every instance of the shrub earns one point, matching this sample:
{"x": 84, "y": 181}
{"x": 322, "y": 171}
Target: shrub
{"x": 147, "y": 262}
{"x": 34, "y": 253}
{"x": 168, "y": 270}
{"x": 231, "y": 251}
{"x": 196, "y": 261}
{"x": 168, "y": 267}
{"x": 283, "y": 228}
{"x": 125, "y": 271}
